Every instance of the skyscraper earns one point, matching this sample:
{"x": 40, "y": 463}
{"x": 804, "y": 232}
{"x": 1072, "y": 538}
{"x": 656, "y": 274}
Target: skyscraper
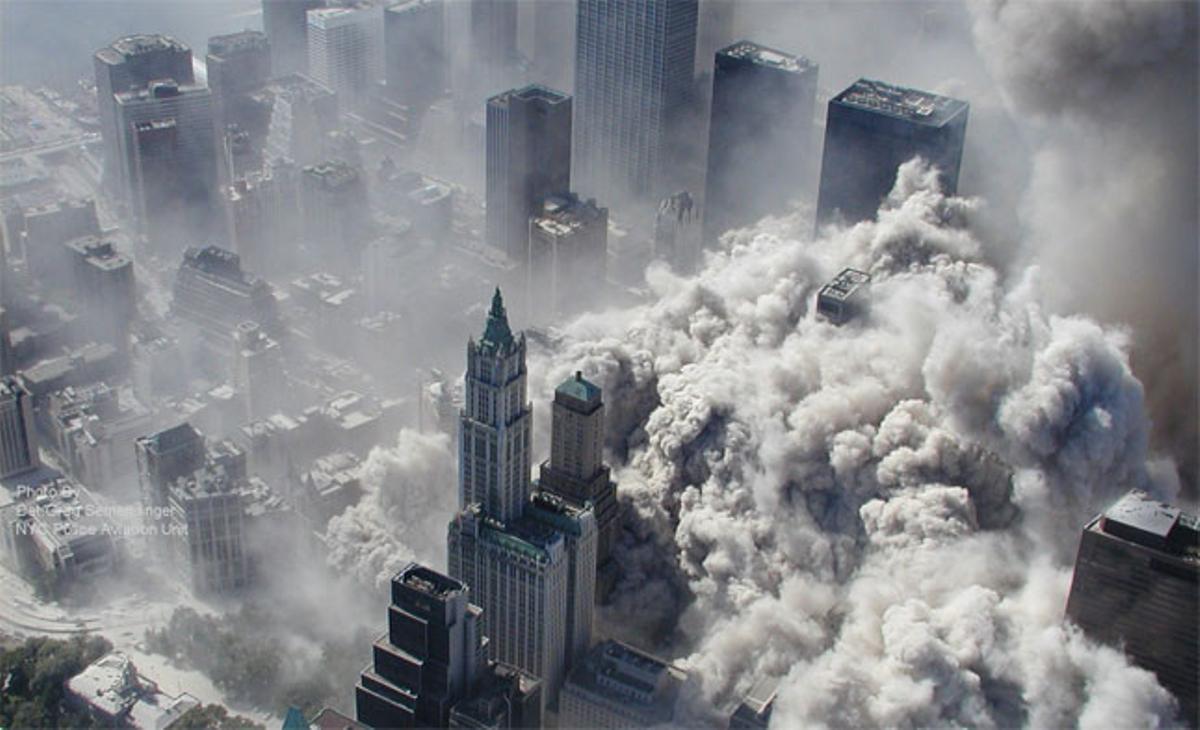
{"x": 566, "y": 258}
{"x": 236, "y": 64}
{"x": 554, "y": 43}
{"x": 431, "y": 656}
{"x": 529, "y": 563}
{"x": 345, "y": 49}
{"x": 167, "y": 148}
{"x": 1135, "y": 587}
{"x": 18, "y": 442}
{"x": 415, "y": 59}
{"x": 677, "y": 231}
{"x": 760, "y": 135}
{"x": 129, "y": 63}
{"x": 633, "y": 75}
{"x": 286, "y": 26}
{"x": 528, "y": 159}
{"x": 576, "y": 471}
{"x": 871, "y": 129}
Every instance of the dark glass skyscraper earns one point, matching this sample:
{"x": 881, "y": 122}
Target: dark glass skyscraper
{"x": 286, "y": 27}
{"x": 760, "y": 136}
{"x": 871, "y": 129}
{"x": 415, "y": 60}
{"x": 528, "y": 159}
{"x": 633, "y": 76}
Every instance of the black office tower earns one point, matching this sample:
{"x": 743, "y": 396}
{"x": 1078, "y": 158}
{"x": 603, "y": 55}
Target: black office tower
{"x": 528, "y": 159}
{"x": 1135, "y": 586}
{"x": 432, "y": 655}
{"x": 286, "y": 26}
{"x": 415, "y": 60}
{"x": 633, "y": 80}
{"x": 871, "y": 129}
{"x": 760, "y": 136}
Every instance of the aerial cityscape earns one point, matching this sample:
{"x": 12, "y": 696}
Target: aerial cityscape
{"x": 581, "y": 364}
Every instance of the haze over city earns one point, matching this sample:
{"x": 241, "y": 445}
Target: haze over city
{"x": 599, "y": 363}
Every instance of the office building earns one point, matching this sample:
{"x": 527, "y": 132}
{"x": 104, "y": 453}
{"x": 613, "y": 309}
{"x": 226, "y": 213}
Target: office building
{"x": 633, "y": 77}
{"x": 755, "y": 710}
{"x": 262, "y": 213}
{"x": 431, "y": 656}
{"x": 415, "y": 57}
{"x": 528, "y": 159}
{"x": 258, "y": 370}
{"x": 204, "y": 529}
{"x": 1135, "y": 587}
{"x": 92, "y": 428}
{"x": 870, "y": 130}
{"x": 104, "y": 285}
{"x": 237, "y": 64}
{"x": 345, "y": 49}
{"x": 760, "y": 136}
{"x": 43, "y": 229}
{"x": 618, "y": 686}
{"x": 714, "y": 30}
{"x": 131, "y": 63}
{"x": 214, "y": 294}
{"x": 113, "y": 693}
{"x": 493, "y": 41}
{"x": 844, "y": 298}
{"x": 165, "y": 457}
{"x": 298, "y": 114}
{"x": 8, "y": 363}
{"x": 168, "y": 150}
{"x": 677, "y": 232}
{"x": 506, "y": 698}
{"x": 576, "y": 471}
{"x": 566, "y": 258}
{"x": 18, "y": 441}
{"x": 577, "y": 524}
{"x": 286, "y": 25}
{"x": 554, "y": 43}
{"x": 336, "y": 214}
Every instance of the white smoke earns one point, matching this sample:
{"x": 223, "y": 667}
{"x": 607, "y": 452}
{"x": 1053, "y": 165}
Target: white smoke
{"x": 407, "y": 502}
{"x": 883, "y": 514}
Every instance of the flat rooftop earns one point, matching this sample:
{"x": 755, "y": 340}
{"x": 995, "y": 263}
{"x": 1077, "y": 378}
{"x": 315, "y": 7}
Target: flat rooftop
{"x": 139, "y": 44}
{"x": 246, "y": 40}
{"x": 845, "y": 284}
{"x": 532, "y": 92}
{"x": 913, "y": 105}
{"x": 428, "y": 581}
{"x": 764, "y": 56}
{"x": 1139, "y": 518}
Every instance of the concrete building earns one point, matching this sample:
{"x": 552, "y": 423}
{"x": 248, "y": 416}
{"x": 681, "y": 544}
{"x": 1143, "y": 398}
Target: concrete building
{"x": 18, "y": 440}
{"x": 677, "y": 232}
{"x": 165, "y": 457}
{"x": 870, "y": 130}
{"x": 42, "y": 230}
{"x": 131, "y": 63}
{"x": 618, "y": 686}
{"x": 633, "y": 76}
{"x": 345, "y": 49}
{"x": 167, "y": 148}
{"x": 844, "y": 298}
{"x": 262, "y": 210}
{"x": 715, "y": 30}
{"x": 297, "y": 114}
{"x": 554, "y": 43}
{"x": 1135, "y": 587}
{"x": 576, "y": 471}
{"x": 8, "y": 363}
{"x": 754, "y": 712}
{"x": 333, "y": 484}
{"x": 528, "y": 159}
{"x": 336, "y": 213}
{"x": 493, "y": 41}
{"x": 415, "y": 58}
{"x": 566, "y": 259}
{"x": 506, "y": 698}
{"x": 93, "y": 427}
{"x": 286, "y": 25}
{"x": 104, "y": 286}
{"x": 215, "y": 295}
{"x": 113, "y": 693}
{"x": 760, "y": 136}
{"x": 258, "y": 370}
{"x": 577, "y": 524}
{"x": 431, "y": 656}
{"x": 237, "y": 64}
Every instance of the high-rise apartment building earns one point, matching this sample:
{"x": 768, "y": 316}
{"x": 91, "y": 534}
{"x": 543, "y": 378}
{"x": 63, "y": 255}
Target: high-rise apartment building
{"x": 633, "y": 76}
{"x": 528, "y": 159}
{"x": 415, "y": 58}
{"x": 870, "y": 130}
{"x": 130, "y": 63}
{"x": 576, "y": 471}
{"x": 618, "y": 686}
{"x": 167, "y": 147}
{"x": 760, "y": 135}
{"x": 345, "y": 49}
{"x": 566, "y": 258}
{"x": 1135, "y": 587}
{"x": 18, "y": 442}
{"x": 286, "y": 25}
{"x": 432, "y": 655}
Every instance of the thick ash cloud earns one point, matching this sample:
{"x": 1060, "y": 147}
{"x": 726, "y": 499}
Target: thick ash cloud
{"x": 883, "y": 514}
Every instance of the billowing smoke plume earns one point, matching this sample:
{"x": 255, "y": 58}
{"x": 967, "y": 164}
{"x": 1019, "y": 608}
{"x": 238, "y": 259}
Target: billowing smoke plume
{"x": 407, "y": 502}
{"x": 882, "y": 514}
{"x": 1109, "y": 92}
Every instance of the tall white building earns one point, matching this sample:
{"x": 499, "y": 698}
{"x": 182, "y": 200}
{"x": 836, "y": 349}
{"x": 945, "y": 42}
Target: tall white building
{"x": 345, "y": 49}
{"x": 530, "y": 563}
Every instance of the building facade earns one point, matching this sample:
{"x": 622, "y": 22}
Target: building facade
{"x": 633, "y": 75}
{"x": 760, "y": 136}
{"x": 345, "y": 49}
{"x": 415, "y": 58}
{"x": 18, "y": 441}
{"x": 566, "y": 260}
{"x": 870, "y": 130}
{"x": 618, "y": 686}
{"x": 528, "y": 159}
{"x": 286, "y": 25}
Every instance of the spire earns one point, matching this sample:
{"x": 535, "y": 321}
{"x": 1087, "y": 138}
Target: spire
{"x": 497, "y": 333}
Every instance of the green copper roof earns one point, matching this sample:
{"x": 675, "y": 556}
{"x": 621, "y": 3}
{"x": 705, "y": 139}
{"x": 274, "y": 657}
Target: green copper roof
{"x": 497, "y": 334}
{"x": 579, "y": 389}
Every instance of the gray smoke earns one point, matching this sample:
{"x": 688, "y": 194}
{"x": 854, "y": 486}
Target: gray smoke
{"x": 883, "y": 514}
